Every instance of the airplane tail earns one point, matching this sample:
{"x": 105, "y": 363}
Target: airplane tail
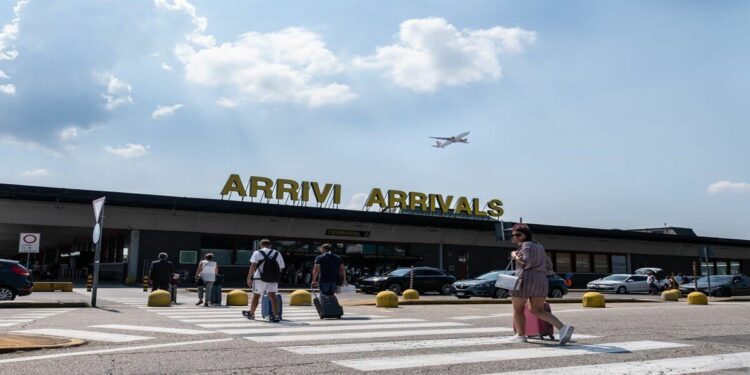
{"x": 438, "y": 144}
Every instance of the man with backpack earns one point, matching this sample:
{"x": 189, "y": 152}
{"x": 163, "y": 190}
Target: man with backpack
{"x": 264, "y": 275}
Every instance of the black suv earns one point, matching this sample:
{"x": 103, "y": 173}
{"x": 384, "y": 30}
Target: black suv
{"x": 426, "y": 279}
{"x": 14, "y": 280}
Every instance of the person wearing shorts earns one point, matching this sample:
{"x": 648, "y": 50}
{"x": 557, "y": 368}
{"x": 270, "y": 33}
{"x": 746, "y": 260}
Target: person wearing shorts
{"x": 259, "y": 286}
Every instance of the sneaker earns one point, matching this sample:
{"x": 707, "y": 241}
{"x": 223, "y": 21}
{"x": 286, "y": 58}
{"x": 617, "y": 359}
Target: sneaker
{"x": 518, "y": 338}
{"x": 247, "y": 314}
{"x": 566, "y": 332}
{"x": 275, "y": 319}
{"x": 199, "y": 302}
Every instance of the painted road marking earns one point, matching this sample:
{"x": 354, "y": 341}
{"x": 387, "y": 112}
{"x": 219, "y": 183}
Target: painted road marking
{"x": 105, "y": 351}
{"x": 16, "y": 320}
{"x": 258, "y": 331}
{"x": 669, "y": 366}
{"x": 392, "y": 363}
{"x": 309, "y": 320}
{"x": 382, "y": 334}
{"x": 178, "y": 331}
{"x": 406, "y": 345}
{"x": 86, "y": 335}
{"x": 338, "y": 322}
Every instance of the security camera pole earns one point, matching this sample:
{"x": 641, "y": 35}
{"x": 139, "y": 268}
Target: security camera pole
{"x": 97, "y": 236}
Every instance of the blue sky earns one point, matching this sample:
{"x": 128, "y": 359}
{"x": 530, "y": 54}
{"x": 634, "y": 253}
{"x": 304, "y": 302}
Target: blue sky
{"x": 617, "y": 114}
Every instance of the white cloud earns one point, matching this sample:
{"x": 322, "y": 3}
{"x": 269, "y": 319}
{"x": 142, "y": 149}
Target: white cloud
{"x": 164, "y": 111}
{"x": 9, "y": 33}
{"x": 118, "y": 92}
{"x": 41, "y": 172}
{"x": 128, "y": 151}
{"x": 431, "y": 53}
{"x": 283, "y": 66}
{"x": 166, "y": 66}
{"x": 69, "y": 134}
{"x": 3, "y": 75}
{"x": 357, "y": 201}
{"x": 728, "y": 187}
{"x": 8, "y": 89}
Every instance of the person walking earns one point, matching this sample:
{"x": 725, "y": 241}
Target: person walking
{"x": 263, "y": 277}
{"x": 531, "y": 270}
{"x": 206, "y": 273}
{"x": 328, "y": 271}
{"x": 161, "y": 273}
{"x": 651, "y": 280}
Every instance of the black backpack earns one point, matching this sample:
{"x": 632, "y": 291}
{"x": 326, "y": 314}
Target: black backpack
{"x": 271, "y": 272}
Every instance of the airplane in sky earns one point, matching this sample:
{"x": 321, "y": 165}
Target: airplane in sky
{"x": 461, "y": 138}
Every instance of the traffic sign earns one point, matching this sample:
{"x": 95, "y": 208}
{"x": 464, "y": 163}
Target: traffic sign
{"x": 98, "y": 205}
{"x": 97, "y": 235}
{"x": 29, "y": 243}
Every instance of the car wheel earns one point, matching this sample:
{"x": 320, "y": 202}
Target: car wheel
{"x": 500, "y": 293}
{"x": 395, "y": 288}
{"x": 556, "y": 293}
{"x": 726, "y": 292}
{"x": 445, "y": 289}
{"x": 7, "y": 294}
{"x": 622, "y": 290}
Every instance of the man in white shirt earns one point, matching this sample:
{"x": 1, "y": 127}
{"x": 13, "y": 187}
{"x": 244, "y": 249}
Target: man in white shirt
{"x": 263, "y": 282}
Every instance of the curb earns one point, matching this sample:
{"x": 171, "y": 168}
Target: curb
{"x": 489, "y": 301}
{"x": 248, "y": 290}
{"x": 14, "y": 343}
{"x": 27, "y": 305}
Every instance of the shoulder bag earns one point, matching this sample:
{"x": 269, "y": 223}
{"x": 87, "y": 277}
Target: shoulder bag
{"x": 507, "y": 282}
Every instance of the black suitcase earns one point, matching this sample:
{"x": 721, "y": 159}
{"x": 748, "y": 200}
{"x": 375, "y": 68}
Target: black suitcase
{"x": 266, "y": 309}
{"x": 328, "y": 306}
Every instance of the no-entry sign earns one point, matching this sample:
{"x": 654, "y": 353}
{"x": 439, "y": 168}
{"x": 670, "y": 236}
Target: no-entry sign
{"x": 29, "y": 243}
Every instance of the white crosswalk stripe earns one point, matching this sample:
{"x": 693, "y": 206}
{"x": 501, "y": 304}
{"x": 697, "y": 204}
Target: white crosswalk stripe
{"x": 86, "y": 335}
{"x": 309, "y": 320}
{"x": 338, "y": 323}
{"x": 403, "y": 362}
{"x": 281, "y": 329}
{"x": 380, "y": 334}
{"x": 405, "y": 345}
{"x": 19, "y": 316}
{"x": 668, "y": 366}
{"x": 179, "y": 331}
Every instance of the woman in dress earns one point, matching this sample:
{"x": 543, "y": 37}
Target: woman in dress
{"x": 207, "y": 270}
{"x": 532, "y": 270}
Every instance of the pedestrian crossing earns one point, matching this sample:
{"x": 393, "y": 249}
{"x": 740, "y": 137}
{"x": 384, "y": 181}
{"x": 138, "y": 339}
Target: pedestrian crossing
{"x": 21, "y": 316}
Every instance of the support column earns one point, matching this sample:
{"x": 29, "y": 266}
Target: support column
{"x": 133, "y": 256}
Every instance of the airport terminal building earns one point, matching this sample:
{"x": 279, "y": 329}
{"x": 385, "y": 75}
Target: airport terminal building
{"x": 465, "y": 240}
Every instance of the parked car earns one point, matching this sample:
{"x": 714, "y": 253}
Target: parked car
{"x": 484, "y": 286}
{"x": 426, "y": 279}
{"x": 721, "y": 285}
{"x": 620, "y": 284}
{"x": 14, "y": 280}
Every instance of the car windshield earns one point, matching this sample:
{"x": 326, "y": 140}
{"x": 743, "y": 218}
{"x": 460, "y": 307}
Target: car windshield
{"x": 616, "y": 277}
{"x": 399, "y": 272}
{"x": 720, "y": 279}
{"x": 489, "y": 276}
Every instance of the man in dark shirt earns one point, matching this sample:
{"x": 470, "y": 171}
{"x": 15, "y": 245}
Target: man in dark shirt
{"x": 330, "y": 269}
{"x": 161, "y": 272}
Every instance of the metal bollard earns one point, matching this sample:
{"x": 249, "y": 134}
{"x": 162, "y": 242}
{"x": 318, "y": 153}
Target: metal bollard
{"x": 145, "y": 283}
{"x": 89, "y": 282}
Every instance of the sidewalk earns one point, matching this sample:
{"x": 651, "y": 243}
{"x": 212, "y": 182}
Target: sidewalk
{"x": 48, "y": 300}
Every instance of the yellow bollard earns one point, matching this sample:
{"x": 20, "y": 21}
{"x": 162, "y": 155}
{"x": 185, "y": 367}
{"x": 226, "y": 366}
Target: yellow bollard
{"x": 237, "y": 298}
{"x": 410, "y": 294}
{"x": 145, "y": 283}
{"x": 386, "y": 298}
{"x": 670, "y": 295}
{"x": 697, "y": 298}
{"x": 300, "y": 297}
{"x": 89, "y": 282}
{"x": 160, "y": 298}
{"x": 593, "y": 299}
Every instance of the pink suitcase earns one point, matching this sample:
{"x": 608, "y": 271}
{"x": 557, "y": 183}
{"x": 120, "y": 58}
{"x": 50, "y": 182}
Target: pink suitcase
{"x": 537, "y": 327}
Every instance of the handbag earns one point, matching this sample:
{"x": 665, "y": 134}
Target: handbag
{"x": 199, "y": 281}
{"x": 508, "y": 282}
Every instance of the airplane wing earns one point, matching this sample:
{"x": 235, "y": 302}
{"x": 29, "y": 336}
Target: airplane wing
{"x": 464, "y": 134}
{"x": 443, "y": 138}
{"x": 446, "y": 143}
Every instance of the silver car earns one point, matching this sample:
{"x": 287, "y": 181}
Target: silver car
{"x": 620, "y": 284}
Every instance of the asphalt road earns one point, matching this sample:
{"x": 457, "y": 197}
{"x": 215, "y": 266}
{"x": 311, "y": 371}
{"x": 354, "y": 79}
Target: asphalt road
{"x": 125, "y": 337}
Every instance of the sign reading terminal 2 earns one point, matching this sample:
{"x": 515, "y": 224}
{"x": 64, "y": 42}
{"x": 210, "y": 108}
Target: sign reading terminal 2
{"x": 304, "y": 191}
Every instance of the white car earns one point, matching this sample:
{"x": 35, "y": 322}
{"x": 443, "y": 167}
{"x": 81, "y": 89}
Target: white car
{"x": 620, "y": 284}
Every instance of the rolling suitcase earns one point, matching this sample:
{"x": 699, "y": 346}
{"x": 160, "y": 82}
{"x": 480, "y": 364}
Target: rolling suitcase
{"x": 266, "y": 309}
{"x": 216, "y": 290}
{"x": 535, "y": 326}
{"x": 328, "y": 306}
